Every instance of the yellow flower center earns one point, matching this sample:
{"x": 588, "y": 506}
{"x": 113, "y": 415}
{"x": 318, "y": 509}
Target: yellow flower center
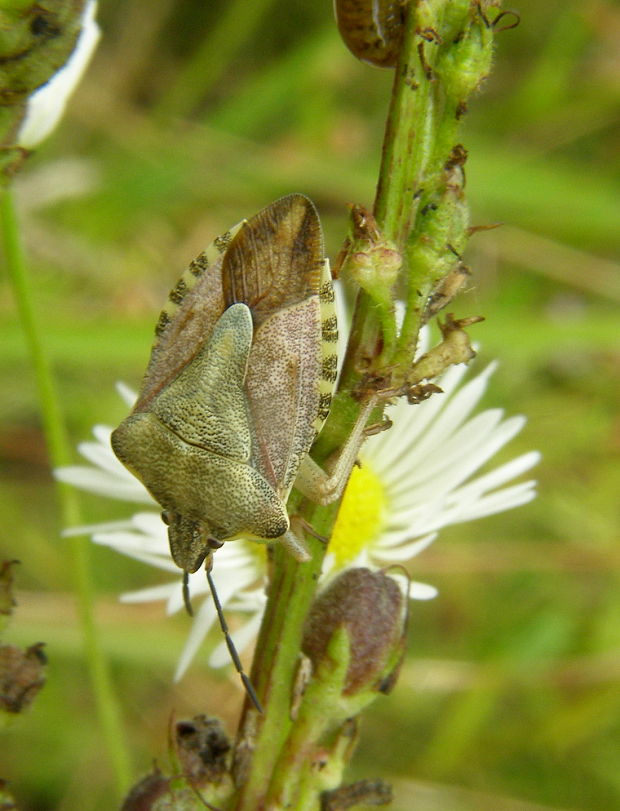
{"x": 361, "y": 516}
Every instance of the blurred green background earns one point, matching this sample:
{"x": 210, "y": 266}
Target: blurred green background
{"x": 195, "y": 114}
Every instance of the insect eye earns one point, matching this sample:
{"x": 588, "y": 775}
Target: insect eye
{"x": 166, "y": 517}
{"x": 213, "y": 543}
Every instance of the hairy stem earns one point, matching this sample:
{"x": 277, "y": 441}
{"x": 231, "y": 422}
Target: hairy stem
{"x": 421, "y": 214}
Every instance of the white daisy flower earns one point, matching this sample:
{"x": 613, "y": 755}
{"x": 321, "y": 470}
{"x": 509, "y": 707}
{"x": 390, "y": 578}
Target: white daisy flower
{"x": 46, "y": 105}
{"x": 414, "y": 479}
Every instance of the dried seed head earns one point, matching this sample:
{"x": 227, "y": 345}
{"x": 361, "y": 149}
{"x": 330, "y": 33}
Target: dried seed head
{"x": 371, "y": 608}
{"x": 202, "y": 747}
{"x": 22, "y": 675}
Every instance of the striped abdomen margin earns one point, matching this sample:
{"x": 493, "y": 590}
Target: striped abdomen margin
{"x": 329, "y": 345}
{"x": 194, "y": 272}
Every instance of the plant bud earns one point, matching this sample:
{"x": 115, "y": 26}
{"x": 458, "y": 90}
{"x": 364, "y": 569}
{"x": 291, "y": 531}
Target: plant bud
{"x": 467, "y": 62}
{"x": 371, "y": 29}
{"x": 372, "y": 260}
{"x": 371, "y": 608}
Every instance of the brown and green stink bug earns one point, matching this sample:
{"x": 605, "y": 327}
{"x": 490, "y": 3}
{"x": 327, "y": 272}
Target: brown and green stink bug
{"x": 238, "y": 385}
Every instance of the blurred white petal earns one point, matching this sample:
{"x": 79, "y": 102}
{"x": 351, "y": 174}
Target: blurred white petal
{"x": 46, "y": 105}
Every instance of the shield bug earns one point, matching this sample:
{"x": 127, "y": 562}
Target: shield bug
{"x": 237, "y": 387}
{"x": 238, "y": 384}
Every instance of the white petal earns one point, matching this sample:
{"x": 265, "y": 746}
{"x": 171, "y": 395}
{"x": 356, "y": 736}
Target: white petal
{"x": 500, "y": 475}
{"x": 249, "y": 600}
{"x": 424, "y": 336}
{"x": 226, "y": 588}
{"x": 131, "y": 541}
{"x": 103, "y": 458}
{"x": 395, "y": 547}
{"x": 46, "y": 105}
{"x": 506, "y": 499}
{"x": 122, "y": 542}
{"x": 150, "y": 523}
{"x": 422, "y": 591}
{"x": 102, "y": 434}
{"x": 149, "y": 595}
{"x": 236, "y": 554}
{"x": 104, "y": 484}
{"x": 90, "y": 529}
{"x": 197, "y": 585}
{"x": 470, "y": 447}
{"x": 455, "y": 412}
{"x": 128, "y": 395}
{"x": 201, "y": 625}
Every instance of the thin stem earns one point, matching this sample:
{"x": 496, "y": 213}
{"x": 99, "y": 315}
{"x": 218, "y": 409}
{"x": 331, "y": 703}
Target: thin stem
{"x": 427, "y": 100}
{"x": 291, "y": 591}
{"x": 59, "y": 453}
{"x": 406, "y": 142}
{"x": 260, "y": 739}
{"x": 405, "y": 148}
{"x": 292, "y": 587}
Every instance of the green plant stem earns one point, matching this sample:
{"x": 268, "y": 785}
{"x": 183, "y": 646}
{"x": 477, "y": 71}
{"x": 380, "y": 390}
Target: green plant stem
{"x": 407, "y": 141}
{"x": 59, "y": 453}
{"x": 419, "y": 208}
{"x": 291, "y": 591}
{"x": 292, "y": 586}
{"x": 405, "y": 151}
{"x": 296, "y": 779}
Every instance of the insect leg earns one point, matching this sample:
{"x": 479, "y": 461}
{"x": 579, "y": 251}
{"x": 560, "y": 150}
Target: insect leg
{"x": 294, "y": 544}
{"x": 324, "y": 487}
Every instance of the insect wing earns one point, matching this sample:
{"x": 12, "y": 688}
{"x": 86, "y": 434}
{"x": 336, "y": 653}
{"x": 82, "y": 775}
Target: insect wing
{"x": 275, "y": 259}
{"x": 275, "y": 265}
{"x": 283, "y": 393}
{"x": 192, "y": 447}
{"x": 205, "y": 404}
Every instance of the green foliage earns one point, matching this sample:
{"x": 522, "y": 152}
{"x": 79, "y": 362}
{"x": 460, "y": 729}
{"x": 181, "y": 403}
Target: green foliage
{"x": 512, "y": 687}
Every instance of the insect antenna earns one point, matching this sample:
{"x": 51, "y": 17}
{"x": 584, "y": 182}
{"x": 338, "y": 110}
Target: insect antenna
{"x": 249, "y": 687}
{"x": 186, "y": 597}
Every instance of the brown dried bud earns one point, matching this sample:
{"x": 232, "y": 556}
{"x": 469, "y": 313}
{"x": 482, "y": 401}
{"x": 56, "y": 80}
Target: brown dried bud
{"x": 371, "y": 29}
{"x": 202, "y": 747}
{"x": 22, "y": 675}
{"x": 372, "y": 609}
{"x": 145, "y": 794}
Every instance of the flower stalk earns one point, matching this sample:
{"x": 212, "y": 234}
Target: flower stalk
{"x": 59, "y": 451}
{"x": 44, "y": 52}
{"x": 420, "y": 211}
